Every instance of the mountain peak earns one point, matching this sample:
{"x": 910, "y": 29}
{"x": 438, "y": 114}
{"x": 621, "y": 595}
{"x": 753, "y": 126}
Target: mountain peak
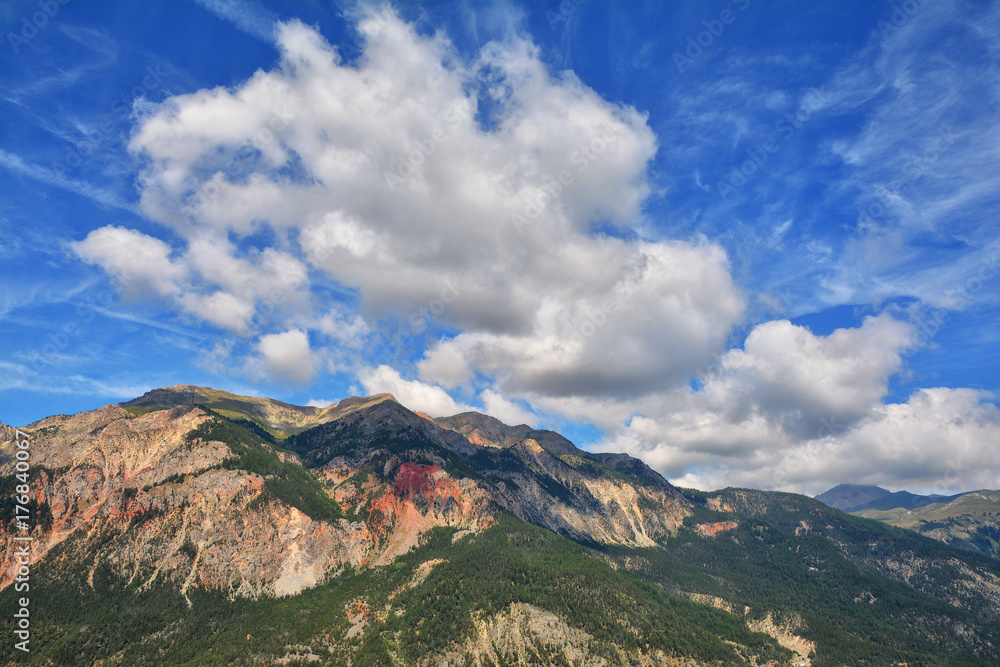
{"x": 489, "y": 431}
{"x": 281, "y": 418}
{"x": 848, "y": 496}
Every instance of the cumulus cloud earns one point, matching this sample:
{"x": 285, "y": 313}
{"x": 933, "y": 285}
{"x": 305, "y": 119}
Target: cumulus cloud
{"x": 287, "y": 356}
{"x": 141, "y": 264}
{"x": 509, "y": 412}
{"x": 467, "y": 188}
{"x": 621, "y": 333}
{"x": 941, "y": 439}
{"x": 938, "y": 441}
{"x": 493, "y": 198}
{"x": 796, "y": 411}
{"x": 414, "y": 394}
{"x": 320, "y": 402}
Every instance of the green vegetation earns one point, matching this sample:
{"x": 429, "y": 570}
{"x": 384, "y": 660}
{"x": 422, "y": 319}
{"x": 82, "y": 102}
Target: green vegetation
{"x": 516, "y": 562}
{"x": 39, "y": 514}
{"x": 140, "y": 410}
{"x": 970, "y": 522}
{"x": 831, "y": 578}
{"x": 511, "y": 562}
{"x": 864, "y": 592}
{"x": 228, "y": 405}
{"x": 286, "y": 480}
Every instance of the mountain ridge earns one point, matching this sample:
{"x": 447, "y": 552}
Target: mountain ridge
{"x": 856, "y": 497}
{"x": 242, "y": 530}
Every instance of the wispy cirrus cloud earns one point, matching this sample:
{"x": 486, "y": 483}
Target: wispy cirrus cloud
{"x": 250, "y": 17}
{"x": 45, "y": 175}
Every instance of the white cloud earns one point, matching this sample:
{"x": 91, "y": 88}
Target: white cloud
{"x": 221, "y": 309}
{"x": 638, "y": 317}
{"x": 401, "y": 192}
{"x": 468, "y": 191}
{"x": 141, "y": 263}
{"x": 414, "y": 394}
{"x": 349, "y": 330}
{"x": 287, "y": 356}
{"x": 320, "y": 402}
{"x": 401, "y": 189}
{"x": 940, "y": 441}
{"x": 786, "y": 388}
{"x": 495, "y": 405}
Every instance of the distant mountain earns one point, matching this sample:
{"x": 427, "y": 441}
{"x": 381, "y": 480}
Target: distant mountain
{"x": 847, "y": 496}
{"x": 854, "y": 497}
{"x": 192, "y": 526}
{"x": 969, "y": 520}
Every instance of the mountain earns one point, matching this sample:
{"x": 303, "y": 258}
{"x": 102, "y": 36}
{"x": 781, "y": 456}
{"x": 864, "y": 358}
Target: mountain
{"x": 482, "y": 429}
{"x": 196, "y": 527}
{"x": 848, "y": 496}
{"x": 969, "y": 520}
{"x": 853, "y": 498}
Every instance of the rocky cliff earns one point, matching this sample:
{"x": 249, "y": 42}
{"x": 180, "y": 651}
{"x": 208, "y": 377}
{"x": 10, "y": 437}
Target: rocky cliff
{"x": 153, "y": 502}
{"x": 242, "y": 530}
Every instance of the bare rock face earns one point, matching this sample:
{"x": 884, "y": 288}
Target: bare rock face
{"x": 151, "y": 503}
{"x": 134, "y": 490}
{"x": 523, "y": 634}
{"x": 404, "y": 500}
{"x": 581, "y": 504}
{"x": 526, "y": 635}
{"x": 489, "y": 431}
{"x": 82, "y": 464}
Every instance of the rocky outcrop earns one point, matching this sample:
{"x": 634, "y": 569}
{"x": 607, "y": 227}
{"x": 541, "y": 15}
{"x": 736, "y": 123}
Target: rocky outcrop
{"x": 403, "y": 500}
{"x": 527, "y": 635}
{"x": 489, "y": 431}
{"x": 152, "y": 504}
{"x": 713, "y": 529}
{"x": 542, "y": 489}
{"x": 137, "y": 493}
{"x": 278, "y": 416}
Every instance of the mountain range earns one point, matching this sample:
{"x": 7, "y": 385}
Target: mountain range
{"x": 191, "y": 526}
{"x": 969, "y": 520}
{"x": 855, "y": 497}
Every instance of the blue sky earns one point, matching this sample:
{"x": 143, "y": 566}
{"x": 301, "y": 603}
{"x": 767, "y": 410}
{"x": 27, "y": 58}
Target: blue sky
{"x": 752, "y": 243}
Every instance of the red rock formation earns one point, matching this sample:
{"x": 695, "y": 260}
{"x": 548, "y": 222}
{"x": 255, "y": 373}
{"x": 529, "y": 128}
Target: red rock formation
{"x": 713, "y": 529}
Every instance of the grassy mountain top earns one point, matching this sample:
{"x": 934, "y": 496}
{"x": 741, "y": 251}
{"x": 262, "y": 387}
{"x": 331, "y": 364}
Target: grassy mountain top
{"x": 970, "y": 521}
{"x": 278, "y": 418}
{"x": 854, "y": 497}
